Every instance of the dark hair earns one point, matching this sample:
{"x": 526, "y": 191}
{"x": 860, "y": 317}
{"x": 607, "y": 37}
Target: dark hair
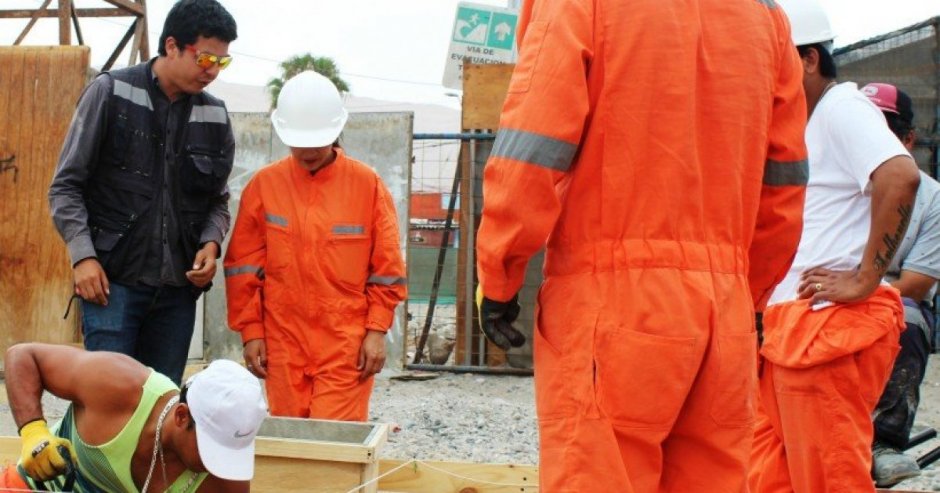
{"x": 827, "y": 64}
{"x": 183, "y": 391}
{"x": 898, "y": 125}
{"x": 189, "y": 19}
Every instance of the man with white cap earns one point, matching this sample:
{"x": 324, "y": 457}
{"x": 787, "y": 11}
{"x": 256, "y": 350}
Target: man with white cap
{"x": 129, "y": 428}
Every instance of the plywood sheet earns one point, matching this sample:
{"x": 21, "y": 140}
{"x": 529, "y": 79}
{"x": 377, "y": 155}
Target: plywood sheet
{"x": 484, "y": 90}
{"x": 39, "y": 87}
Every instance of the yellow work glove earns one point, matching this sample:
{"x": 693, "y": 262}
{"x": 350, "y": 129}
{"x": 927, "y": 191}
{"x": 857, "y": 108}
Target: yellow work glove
{"x": 496, "y": 320}
{"x": 42, "y": 456}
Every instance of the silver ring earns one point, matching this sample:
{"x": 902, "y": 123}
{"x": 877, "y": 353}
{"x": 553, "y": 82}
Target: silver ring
{"x": 818, "y": 286}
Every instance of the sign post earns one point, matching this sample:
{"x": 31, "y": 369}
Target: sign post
{"x": 481, "y": 34}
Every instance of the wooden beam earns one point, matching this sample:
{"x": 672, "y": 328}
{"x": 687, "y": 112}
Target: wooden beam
{"x": 135, "y": 45}
{"x": 145, "y": 35}
{"x": 65, "y": 26}
{"x": 48, "y": 13}
{"x": 129, "y": 6}
{"x": 35, "y": 16}
{"x": 120, "y": 46}
{"x": 449, "y": 477}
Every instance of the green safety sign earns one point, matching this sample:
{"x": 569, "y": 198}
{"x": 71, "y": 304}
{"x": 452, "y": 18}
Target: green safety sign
{"x": 485, "y": 28}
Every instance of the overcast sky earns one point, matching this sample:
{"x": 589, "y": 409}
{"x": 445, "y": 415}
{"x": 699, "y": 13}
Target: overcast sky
{"x": 386, "y": 49}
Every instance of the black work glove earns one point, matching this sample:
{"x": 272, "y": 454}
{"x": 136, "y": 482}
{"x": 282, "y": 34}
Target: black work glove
{"x": 496, "y": 318}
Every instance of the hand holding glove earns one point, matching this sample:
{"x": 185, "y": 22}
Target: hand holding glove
{"x": 43, "y": 455}
{"x": 496, "y": 320}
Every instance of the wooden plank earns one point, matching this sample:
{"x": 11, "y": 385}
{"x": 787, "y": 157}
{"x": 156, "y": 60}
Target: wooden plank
{"x": 32, "y": 21}
{"x": 458, "y": 477}
{"x": 291, "y": 475}
{"x": 129, "y": 6}
{"x": 484, "y": 91}
{"x": 38, "y": 90}
{"x": 65, "y": 26}
{"x": 331, "y": 451}
{"x": 280, "y": 474}
{"x": 145, "y": 34}
{"x": 26, "y": 14}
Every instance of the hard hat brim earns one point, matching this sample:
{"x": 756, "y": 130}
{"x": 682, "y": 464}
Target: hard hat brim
{"x": 308, "y": 138}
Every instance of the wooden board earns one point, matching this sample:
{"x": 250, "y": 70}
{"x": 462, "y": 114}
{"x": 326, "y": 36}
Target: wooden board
{"x": 458, "y": 477}
{"x": 38, "y": 90}
{"x": 484, "y": 90}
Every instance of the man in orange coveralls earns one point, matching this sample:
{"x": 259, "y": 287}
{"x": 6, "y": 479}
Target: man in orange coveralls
{"x": 314, "y": 268}
{"x": 658, "y": 149}
{"x": 831, "y": 328}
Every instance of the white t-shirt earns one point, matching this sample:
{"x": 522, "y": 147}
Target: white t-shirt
{"x": 846, "y": 138}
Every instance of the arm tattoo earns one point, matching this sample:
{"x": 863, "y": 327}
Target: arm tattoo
{"x": 892, "y": 242}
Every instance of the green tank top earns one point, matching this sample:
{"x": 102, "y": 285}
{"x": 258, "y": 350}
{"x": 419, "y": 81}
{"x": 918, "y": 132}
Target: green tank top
{"x": 107, "y": 467}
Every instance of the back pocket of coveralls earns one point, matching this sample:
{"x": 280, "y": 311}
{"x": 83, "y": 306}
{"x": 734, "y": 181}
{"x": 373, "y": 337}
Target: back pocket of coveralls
{"x": 733, "y": 400}
{"x": 347, "y": 254}
{"x": 643, "y": 379}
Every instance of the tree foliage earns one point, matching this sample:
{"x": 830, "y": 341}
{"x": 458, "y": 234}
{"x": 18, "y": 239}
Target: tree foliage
{"x": 294, "y": 65}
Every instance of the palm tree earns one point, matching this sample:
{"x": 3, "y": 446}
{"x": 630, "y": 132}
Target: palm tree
{"x": 294, "y": 65}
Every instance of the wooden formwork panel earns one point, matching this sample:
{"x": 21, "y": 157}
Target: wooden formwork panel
{"x": 39, "y": 87}
{"x": 484, "y": 90}
{"x": 300, "y": 455}
{"x": 457, "y": 477}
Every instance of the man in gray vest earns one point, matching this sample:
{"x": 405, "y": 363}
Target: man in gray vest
{"x": 140, "y": 194}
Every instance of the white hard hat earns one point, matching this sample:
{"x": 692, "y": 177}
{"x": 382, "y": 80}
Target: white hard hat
{"x": 309, "y": 111}
{"x": 809, "y": 23}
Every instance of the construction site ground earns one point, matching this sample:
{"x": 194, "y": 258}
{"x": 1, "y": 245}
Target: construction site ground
{"x": 491, "y": 419}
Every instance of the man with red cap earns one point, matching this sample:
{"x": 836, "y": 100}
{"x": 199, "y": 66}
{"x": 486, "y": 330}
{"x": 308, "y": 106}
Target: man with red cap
{"x": 128, "y": 428}
{"x": 914, "y": 272}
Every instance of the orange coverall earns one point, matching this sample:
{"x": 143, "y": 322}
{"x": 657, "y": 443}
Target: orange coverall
{"x": 823, "y": 373}
{"x": 313, "y": 262}
{"x": 658, "y": 148}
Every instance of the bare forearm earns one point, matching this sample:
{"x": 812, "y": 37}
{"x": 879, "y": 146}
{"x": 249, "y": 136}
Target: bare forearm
{"x": 914, "y": 285}
{"x": 24, "y": 385}
{"x": 894, "y": 185}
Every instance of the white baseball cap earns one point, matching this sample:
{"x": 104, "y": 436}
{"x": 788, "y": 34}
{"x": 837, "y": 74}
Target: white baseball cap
{"x": 227, "y": 404}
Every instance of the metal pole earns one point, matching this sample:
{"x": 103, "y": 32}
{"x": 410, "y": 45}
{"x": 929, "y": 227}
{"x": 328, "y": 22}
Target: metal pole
{"x": 469, "y": 201}
{"x": 441, "y": 256}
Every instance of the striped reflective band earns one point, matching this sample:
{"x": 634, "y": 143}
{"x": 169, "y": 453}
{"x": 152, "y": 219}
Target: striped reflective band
{"x": 534, "y": 149}
{"x": 386, "y": 280}
{"x": 348, "y": 230}
{"x": 784, "y": 173}
{"x": 245, "y": 269}
{"x": 208, "y": 114}
{"x": 278, "y": 220}
{"x": 769, "y": 3}
{"x": 133, "y": 94}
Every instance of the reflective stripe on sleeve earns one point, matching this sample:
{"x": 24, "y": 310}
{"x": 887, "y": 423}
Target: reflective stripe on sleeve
{"x": 533, "y": 148}
{"x": 386, "y": 280}
{"x": 786, "y": 173}
{"x": 275, "y": 219}
{"x": 245, "y": 269}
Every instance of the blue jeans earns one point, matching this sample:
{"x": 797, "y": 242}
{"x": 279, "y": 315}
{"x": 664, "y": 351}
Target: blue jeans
{"x": 152, "y": 325}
